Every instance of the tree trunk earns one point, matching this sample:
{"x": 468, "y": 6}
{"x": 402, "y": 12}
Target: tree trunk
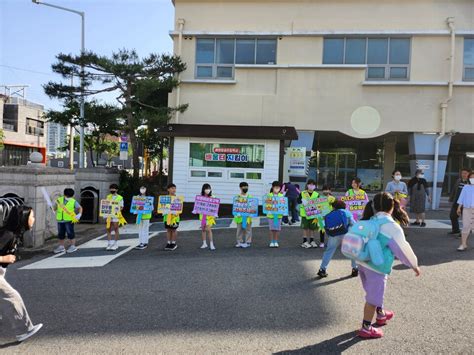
{"x": 131, "y": 129}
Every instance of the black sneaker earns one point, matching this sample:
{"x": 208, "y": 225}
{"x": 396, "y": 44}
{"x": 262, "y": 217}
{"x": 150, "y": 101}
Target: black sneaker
{"x": 322, "y": 273}
{"x": 140, "y": 246}
{"x": 355, "y": 272}
{"x": 168, "y": 246}
{"x": 173, "y": 247}
{"x": 415, "y": 224}
{"x": 454, "y": 232}
{"x": 423, "y": 224}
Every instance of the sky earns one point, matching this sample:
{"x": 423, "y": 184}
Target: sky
{"x": 32, "y": 35}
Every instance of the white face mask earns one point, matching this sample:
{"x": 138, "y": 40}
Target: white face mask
{"x": 311, "y": 187}
{"x": 398, "y": 177}
{"x": 207, "y": 191}
{"x": 471, "y": 180}
{"x": 142, "y": 191}
{"x": 421, "y": 176}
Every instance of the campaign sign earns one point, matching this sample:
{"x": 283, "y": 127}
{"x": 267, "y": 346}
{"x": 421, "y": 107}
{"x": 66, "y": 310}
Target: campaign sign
{"x": 109, "y": 208}
{"x": 355, "y": 204}
{"x": 168, "y": 204}
{"x": 245, "y": 207}
{"x": 207, "y": 206}
{"x": 275, "y": 205}
{"x": 317, "y": 207}
{"x": 141, "y": 205}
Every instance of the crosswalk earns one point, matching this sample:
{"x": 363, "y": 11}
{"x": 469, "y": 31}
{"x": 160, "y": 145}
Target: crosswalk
{"x": 93, "y": 254}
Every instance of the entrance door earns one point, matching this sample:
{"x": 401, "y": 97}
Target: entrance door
{"x": 336, "y": 169}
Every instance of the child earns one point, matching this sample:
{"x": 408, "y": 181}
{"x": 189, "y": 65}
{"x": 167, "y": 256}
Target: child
{"x": 335, "y": 242}
{"x": 172, "y": 228}
{"x": 210, "y": 221}
{"x": 114, "y": 222}
{"x": 68, "y": 210}
{"x": 357, "y": 191}
{"x": 331, "y": 200}
{"x": 374, "y": 278}
{"x": 244, "y": 236}
{"x": 306, "y": 224}
{"x": 144, "y": 226}
{"x": 274, "y": 226}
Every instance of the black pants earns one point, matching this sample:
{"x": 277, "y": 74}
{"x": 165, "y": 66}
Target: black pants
{"x": 453, "y": 215}
{"x": 293, "y": 204}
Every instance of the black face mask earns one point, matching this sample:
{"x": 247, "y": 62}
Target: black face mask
{"x": 245, "y": 189}
{"x": 113, "y": 191}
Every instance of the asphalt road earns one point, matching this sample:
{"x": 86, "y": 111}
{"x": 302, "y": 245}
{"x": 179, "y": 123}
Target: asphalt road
{"x": 257, "y": 300}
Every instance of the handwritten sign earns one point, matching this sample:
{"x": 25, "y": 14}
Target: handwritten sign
{"x": 141, "y": 205}
{"x": 109, "y": 208}
{"x": 355, "y": 204}
{"x": 168, "y": 204}
{"x": 207, "y": 206}
{"x": 245, "y": 207}
{"x": 317, "y": 207}
{"x": 275, "y": 205}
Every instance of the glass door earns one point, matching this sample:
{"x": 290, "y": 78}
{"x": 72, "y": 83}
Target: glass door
{"x": 336, "y": 169}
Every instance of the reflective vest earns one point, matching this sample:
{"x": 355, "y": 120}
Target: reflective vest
{"x": 306, "y": 196}
{"x": 70, "y": 205}
{"x": 118, "y": 198}
{"x": 351, "y": 193}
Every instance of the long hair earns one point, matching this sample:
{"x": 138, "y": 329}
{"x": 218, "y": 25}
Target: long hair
{"x": 205, "y": 187}
{"x": 17, "y": 220}
{"x": 384, "y": 202}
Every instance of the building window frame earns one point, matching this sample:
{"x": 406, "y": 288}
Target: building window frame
{"x": 388, "y": 67}
{"x": 36, "y": 129}
{"x": 216, "y": 66}
{"x": 465, "y": 66}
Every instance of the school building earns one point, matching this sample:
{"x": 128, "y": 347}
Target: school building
{"x": 327, "y": 89}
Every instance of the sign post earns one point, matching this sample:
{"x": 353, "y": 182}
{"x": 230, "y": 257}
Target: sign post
{"x": 245, "y": 207}
{"x": 207, "y": 206}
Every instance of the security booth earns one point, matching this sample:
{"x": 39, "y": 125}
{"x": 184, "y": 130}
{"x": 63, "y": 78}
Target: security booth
{"x": 224, "y": 156}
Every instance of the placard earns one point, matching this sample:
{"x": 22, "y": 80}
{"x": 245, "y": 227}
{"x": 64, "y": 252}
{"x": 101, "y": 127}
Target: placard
{"x": 207, "y": 206}
{"x": 355, "y": 204}
{"x": 168, "y": 204}
{"x": 109, "y": 208}
{"x": 142, "y": 204}
{"x": 245, "y": 207}
{"x": 275, "y": 205}
{"x": 317, "y": 207}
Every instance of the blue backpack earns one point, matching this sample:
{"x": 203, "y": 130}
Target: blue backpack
{"x": 336, "y": 223}
{"x": 362, "y": 244}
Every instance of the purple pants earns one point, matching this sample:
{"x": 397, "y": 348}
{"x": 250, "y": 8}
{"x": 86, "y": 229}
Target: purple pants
{"x": 374, "y": 285}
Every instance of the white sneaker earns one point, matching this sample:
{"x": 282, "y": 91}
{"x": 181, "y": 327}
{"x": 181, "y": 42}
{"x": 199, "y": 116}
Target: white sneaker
{"x": 244, "y": 245}
{"x": 109, "y": 245}
{"x": 272, "y": 245}
{"x": 314, "y": 244}
{"x": 204, "y": 246}
{"x": 276, "y": 245}
{"x": 71, "y": 249}
{"x": 306, "y": 245}
{"x": 321, "y": 245}
{"x": 29, "y": 334}
{"x": 238, "y": 245}
{"x": 114, "y": 246}
{"x": 212, "y": 247}
{"x": 59, "y": 249}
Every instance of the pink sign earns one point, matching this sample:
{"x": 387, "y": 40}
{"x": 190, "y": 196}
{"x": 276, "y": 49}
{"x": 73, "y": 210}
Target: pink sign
{"x": 355, "y": 204}
{"x": 207, "y": 206}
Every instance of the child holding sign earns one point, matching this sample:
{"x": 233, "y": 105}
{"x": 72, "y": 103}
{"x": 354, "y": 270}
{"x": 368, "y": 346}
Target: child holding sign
{"x": 171, "y": 221}
{"x": 359, "y": 194}
{"x": 113, "y": 223}
{"x": 143, "y": 221}
{"x": 244, "y": 233}
{"x": 306, "y": 224}
{"x": 209, "y": 221}
{"x": 331, "y": 199}
{"x": 274, "y": 222}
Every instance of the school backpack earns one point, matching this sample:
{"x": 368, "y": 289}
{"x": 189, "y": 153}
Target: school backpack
{"x": 336, "y": 223}
{"x": 361, "y": 242}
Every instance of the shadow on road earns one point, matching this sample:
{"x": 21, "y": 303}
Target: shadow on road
{"x": 336, "y": 345}
{"x": 9, "y": 345}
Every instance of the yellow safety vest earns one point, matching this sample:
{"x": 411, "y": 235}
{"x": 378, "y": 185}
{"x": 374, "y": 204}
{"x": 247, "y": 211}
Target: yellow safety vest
{"x": 65, "y": 212}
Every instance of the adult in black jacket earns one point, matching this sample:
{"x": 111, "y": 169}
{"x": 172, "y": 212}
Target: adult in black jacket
{"x": 455, "y": 192}
{"x": 15, "y": 321}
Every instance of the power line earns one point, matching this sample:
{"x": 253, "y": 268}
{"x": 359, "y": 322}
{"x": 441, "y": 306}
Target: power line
{"x": 27, "y": 70}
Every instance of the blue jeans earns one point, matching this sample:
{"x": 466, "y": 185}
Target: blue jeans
{"x": 66, "y": 228}
{"x": 332, "y": 245}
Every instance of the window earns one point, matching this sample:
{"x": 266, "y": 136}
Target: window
{"x": 216, "y": 57}
{"x": 254, "y": 176}
{"x": 198, "y": 173}
{"x": 214, "y": 174}
{"x": 468, "y": 73}
{"x": 34, "y": 127}
{"x": 235, "y": 175}
{"x": 227, "y": 155}
{"x": 387, "y": 58}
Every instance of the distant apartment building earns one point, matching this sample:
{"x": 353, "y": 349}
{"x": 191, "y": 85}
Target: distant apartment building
{"x": 356, "y": 87}
{"x": 24, "y": 129}
{"x": 57, "y": 138}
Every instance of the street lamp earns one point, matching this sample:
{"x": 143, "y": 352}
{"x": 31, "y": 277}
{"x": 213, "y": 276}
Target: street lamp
{"x": 81, "y": 132}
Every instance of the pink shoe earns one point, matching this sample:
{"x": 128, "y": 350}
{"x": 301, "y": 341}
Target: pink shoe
{"x": 371, "y": 333}
{"x": 382, "y": 320}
